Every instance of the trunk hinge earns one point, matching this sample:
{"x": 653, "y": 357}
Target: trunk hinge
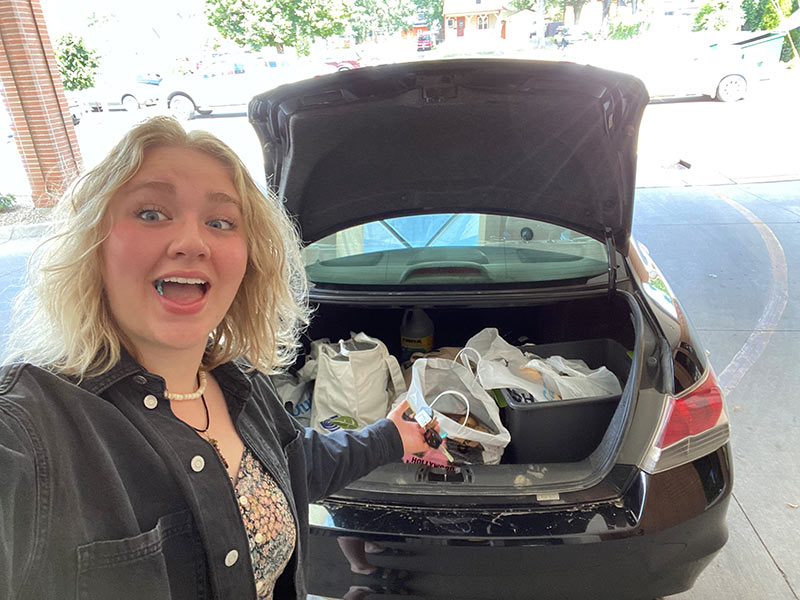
{"x": 612, "y": 261}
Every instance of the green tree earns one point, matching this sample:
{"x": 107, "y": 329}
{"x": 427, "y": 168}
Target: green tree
{"x": 577, "y": 8}
{"x": 432, "y": 11}
{"x": 523, "y": 4}
{"x": 368, "y": 17}
{"x": 760, "y": 15}
{"x": 712, "y": 15}
{"x": 77, "y": 63}
{"x": 276, "y": 24}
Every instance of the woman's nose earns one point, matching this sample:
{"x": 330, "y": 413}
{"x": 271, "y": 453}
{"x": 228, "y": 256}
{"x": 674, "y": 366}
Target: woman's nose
{"x": 189, "y": 240}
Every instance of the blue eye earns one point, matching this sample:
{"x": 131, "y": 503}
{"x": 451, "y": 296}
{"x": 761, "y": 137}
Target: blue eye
{"x": 223, "y": 224}
{"x": 151, "y": 215}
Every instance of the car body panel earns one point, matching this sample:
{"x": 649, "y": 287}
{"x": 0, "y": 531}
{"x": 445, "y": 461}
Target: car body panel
{"x": 550, "y": 141}
{"x": 651, "y": 541}
{"x": 111, "y": 95}
{"x": 232, "y": 80}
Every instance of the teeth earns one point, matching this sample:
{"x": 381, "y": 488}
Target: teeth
{"x": 183, "y": 280}
{"x": 187, "y": 280}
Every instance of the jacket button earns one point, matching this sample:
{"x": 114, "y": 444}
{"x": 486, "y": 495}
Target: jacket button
{"x": 231, "y": 558}
{"x": 140, "y": 379}
{"x": 198, "y": 463}
{"x": 150, "y": 401}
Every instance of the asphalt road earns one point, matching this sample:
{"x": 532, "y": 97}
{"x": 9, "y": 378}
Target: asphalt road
{"x": 730, "y": 248}
{"x": 732, "y": 255}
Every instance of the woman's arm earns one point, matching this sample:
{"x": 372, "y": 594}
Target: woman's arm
{"x": 19, "y": 503}
{"x": 336, "y": 459}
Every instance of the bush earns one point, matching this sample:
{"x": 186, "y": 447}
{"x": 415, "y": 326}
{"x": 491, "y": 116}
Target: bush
{"x": 621, "y": 31}
{"x": 7, "y": 202}
{"x": 78, "y": 64}
{"x": 787, "y": 53}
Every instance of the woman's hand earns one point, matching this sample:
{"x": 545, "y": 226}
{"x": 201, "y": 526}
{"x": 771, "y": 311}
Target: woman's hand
{"x": 410, "y": 431}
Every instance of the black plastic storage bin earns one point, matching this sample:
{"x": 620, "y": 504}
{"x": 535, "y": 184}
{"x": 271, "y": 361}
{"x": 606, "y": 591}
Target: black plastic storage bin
{"x": 565, "y": 430}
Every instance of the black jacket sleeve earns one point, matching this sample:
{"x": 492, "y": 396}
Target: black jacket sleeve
{"x": 336, "y": 459}
{"x": 20, "y": 501}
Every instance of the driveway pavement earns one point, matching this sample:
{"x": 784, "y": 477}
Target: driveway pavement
{"x": 732, "y": 255}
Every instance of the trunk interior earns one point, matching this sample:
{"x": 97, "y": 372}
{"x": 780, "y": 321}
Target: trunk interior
{"x": 565, "y": 444}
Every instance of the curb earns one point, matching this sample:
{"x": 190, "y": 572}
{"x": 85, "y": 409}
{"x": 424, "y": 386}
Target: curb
{"x": 20, "y": 232}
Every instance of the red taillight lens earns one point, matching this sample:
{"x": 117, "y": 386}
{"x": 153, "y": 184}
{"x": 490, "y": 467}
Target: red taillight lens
{"x": 693, "y": 413}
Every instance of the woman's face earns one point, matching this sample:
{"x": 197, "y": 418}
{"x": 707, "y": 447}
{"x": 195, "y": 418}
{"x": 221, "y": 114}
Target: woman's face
{"x": 177, "y": 253}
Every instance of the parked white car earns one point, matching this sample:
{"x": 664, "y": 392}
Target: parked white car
{"x": 222, "y": 82}
{"x": 700, "y": 64}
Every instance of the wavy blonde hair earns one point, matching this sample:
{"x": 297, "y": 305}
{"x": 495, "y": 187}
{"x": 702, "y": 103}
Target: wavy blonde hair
{"x": 62, "y": 320}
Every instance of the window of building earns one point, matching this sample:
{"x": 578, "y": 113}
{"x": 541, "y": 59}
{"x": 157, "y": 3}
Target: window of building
{"x": 483, "y": 22}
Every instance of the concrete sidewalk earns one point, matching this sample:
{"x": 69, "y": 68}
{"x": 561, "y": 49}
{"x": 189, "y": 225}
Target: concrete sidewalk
{"x": 22, "y": 231}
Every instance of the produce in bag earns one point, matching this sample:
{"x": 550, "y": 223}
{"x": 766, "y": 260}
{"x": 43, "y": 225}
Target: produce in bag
{"x": 454, "y": 393}
{"x": 501, "y": 365}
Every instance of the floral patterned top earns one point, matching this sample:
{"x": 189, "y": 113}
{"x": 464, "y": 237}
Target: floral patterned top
{"x": 268, "y": 521}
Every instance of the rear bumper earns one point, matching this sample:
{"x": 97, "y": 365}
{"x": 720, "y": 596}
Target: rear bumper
{"x": 653, "y": 542}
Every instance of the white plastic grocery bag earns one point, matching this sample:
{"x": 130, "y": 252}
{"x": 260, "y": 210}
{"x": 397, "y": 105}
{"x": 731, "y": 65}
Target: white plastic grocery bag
{"x": 295, "y": 389}
{"x": 572, "y": 378}
{"x": 356, "y": 381}
{"x": 501, "y": 365}
{"x": 450, "y": 388}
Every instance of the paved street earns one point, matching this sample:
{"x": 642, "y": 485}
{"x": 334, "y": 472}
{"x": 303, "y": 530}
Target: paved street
{"x": 732, "y": 255}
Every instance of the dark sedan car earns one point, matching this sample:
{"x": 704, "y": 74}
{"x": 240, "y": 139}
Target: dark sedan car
{"x": 515, "y": 213}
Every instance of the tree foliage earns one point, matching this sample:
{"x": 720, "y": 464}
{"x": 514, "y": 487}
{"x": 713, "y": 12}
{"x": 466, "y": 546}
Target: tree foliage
{"x": 7, "y": 202}
{"x": 77, "y": 63}
{"x": 718, "y": 15}
{"x": 370, "y": 17}
{"x": 432, "y": 11}
{"x": 761, "y": 15}
{"x": 277, "y": 24}
{"x": 625, "y": 31}
{"x": 577, "y": 8}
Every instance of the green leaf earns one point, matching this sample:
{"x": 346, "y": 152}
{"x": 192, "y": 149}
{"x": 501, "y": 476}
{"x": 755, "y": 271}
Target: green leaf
{"x": 345, "y": 422}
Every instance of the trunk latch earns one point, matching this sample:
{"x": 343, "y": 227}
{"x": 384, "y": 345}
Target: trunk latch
{"x": 612, "y": 261}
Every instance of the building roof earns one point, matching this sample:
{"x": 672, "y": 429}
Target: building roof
{"x": 465, "y": 7}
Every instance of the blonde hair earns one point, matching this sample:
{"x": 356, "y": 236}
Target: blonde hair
{"x": 62, "y": 320}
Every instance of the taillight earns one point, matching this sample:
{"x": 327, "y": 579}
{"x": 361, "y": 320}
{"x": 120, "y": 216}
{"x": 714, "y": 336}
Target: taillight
{"x": 693, "y": 413}
{"x": 694, "y": 424}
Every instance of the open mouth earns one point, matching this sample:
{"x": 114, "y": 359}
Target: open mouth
{"x": 182, "y": 290}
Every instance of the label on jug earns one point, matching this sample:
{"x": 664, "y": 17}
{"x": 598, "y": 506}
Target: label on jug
{"x": 411, "y": 345}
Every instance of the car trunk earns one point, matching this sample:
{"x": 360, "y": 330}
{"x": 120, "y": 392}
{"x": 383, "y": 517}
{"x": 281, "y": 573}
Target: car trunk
{"x": 556, "y": 447}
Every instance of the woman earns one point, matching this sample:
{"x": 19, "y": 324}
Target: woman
{"x": 141, "y": 456}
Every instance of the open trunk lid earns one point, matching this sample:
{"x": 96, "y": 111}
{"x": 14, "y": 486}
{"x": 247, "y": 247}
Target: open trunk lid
{"x": 550, "y": 141}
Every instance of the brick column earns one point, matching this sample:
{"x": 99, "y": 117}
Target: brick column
{"x": 35, "y": 95}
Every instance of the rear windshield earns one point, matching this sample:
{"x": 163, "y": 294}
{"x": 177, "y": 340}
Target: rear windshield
{"x": 454, "y": 249}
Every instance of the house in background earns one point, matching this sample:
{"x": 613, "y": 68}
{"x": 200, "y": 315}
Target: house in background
{"x": 518, "y": 28}
{"x": 472, "y": 20}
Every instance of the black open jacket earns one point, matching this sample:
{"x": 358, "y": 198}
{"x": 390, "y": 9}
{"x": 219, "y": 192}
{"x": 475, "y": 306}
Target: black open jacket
{"x": 103, "y": 497}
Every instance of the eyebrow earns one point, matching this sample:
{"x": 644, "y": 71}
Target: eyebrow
{"x": 168, "y": 188}
{"x": 223, "y": 198}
